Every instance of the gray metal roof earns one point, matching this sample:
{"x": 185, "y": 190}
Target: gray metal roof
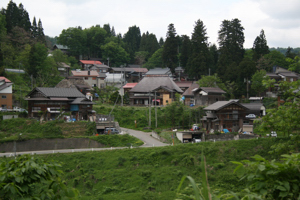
{"x": 59, "y": 92}
{"x": 189, "y": 91}
{"x": 221, "y": 104}
{"x": 151, "y": 83}
{"x": 78, "y": 101}
{"x": 253, "y": 106}
{"x": 158, "y": 71}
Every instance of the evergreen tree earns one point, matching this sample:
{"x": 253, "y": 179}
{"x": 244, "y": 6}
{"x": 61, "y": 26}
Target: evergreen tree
{"x": 170, "y": 54}
{"x": 149, "y": 43}
{"x": 231, "y": 39}
{"x": 106, "y": 27}
{"x": 199, "y": 60}
{"x": 289, "y": 53}
{"x": 11, "y": 15}
{"x": 113, "y": 33}
{"x": 34, "y": 28}
{"x": 185, "y": 51}
{"x": 214, "y": 56}
{"x": 40, "y": 33}
{"x": 260, "y": 47}
{"x": 24, "y": 21}
{"x": 132, "y": 40}
{"x": 161, "y": 42}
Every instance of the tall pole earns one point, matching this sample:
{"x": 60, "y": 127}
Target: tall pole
{"x": 247, "y": 89}
{"x": 155, "y": 112}
{"x": 149, "y": 111}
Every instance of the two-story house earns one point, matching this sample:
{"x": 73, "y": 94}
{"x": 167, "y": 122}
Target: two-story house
{"x": 51, "y": 102}
{"x": 93, "y": 78}
{"x": 6, "y": 101}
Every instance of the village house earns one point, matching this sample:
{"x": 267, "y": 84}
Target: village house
{"x": 52, "y": 102}
{"x": 63, "y": 69}
{"x": 86, "y": 64}
{"x": 93, "y": 78}
{"x": 131, "y": 75}
{"x": 150, "y": 88}
{"x": 6, "y": 100}
{"x": 99, "y": 68}
{"x": 203, "y": 96}
{"x": 231, "y": 115}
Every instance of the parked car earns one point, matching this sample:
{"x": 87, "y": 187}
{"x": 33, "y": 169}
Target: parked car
{"x": 250, "y": 116}
{"x": 273, "y": 134}
{"x": 111, "y": 131}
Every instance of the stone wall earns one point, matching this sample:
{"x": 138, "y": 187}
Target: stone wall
{"x": 50, "y": 144}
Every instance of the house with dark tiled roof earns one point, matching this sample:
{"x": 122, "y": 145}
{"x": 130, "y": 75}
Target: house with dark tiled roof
{"x": 203, "y": 96}
{"x": 63, "y": 48}
{"x": 231, "y": 115}
{"x": 151, "y": 88}
{"x": 6, "y": 101}
{"x": 159, "y": 72}
{"x": 51, "y": 102}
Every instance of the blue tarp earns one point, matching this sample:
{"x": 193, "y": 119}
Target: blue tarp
{"x": 225, "y": 131}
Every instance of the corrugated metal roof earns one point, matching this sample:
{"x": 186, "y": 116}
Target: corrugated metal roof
{"x": 212, "y": 90}
{"x": 151, "y": 83}
{"x": 59, "y": 92}
{"x": 159, "y": 71}
{"x": 4, "y": 78}
{"x": 84, "y": 73}
{"x": 130, "y": 85}
{"x": 221, "y": 104}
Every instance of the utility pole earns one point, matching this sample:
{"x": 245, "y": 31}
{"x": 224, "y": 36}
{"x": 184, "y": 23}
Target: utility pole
{"x": 155, "y": 111}
{"x": 149, "y": 111}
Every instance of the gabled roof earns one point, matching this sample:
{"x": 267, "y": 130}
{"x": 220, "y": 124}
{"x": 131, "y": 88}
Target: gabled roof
{"x": 151, "y": 83}
{"x": 58, "y": 92}
{"x": 159, "y": 71}
{"x": 62, "y": 64}
{"x": 184, "y": 84}
{"x": 90, "y": 62}
{"x": 288, "y": 74}
{"x": 6, "y": 79}
{"x": 59, "y": 46}
{"x": 221, "y": 104}
{"x": 189, "y": 91}
{"x": 253, "y": 106}
{"x": 211, "y": 90}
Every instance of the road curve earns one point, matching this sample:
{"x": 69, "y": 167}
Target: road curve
{"x": 145, "y": 137}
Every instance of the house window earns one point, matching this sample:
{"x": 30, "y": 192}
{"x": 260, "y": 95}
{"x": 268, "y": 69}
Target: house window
{"x": 86, "y": 78}
{"x": 291, "y": 79}
{"x": 3, "y": 97}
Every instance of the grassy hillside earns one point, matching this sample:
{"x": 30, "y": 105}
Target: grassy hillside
{"x": 26, "y": 129}
{"x": 155, "y": 173}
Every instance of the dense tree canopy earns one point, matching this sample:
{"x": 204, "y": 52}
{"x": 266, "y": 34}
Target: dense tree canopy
{"x": 199, "y": 60}
{"x": 260, "y": 46}
{"x": 231, "y": 40}
{"x": 132, "y": 40}
{"x": 170, "y": 50}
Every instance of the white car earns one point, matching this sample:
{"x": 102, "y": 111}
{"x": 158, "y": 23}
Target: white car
{"x": 250, "y": 116}
{"x": 273, "y": 134}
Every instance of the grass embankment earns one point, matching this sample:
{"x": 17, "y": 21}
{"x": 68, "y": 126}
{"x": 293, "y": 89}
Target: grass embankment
{"x": 26, "y": 129}
{"x": 155, "y": 173}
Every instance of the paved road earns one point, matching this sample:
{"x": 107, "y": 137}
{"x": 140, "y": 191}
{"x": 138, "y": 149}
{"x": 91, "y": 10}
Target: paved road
{"x": 145, "y": 137}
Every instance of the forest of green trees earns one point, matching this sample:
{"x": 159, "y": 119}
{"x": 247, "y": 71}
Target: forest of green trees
{"x": 24, "y": 45}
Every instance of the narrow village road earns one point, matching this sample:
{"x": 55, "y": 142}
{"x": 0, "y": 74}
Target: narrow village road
{"x": 145, "y": 137}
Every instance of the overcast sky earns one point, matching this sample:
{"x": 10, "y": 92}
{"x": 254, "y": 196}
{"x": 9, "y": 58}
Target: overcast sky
{"x": 280, "y": 19}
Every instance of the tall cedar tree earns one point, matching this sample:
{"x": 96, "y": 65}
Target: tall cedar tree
{"x": 231, "y": 39}
{"x": 214, "y": 56}
{"x": 34, "y": 28}
{"x": 185, "y": 51}
{"x": 170, "y": 54}
{"x": 149, "y": 43}
{"x": 198, "y": 63}
{"x": 40, "y": 33}
{"x": 24, "y": 21}
{"x": 260, "y": 47}
{"x": 132, "y": 40}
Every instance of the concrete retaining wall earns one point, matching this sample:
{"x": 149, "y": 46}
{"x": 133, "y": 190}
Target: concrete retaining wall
{"x": 50, "y": 144}
{"x": 224, "y": 137}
